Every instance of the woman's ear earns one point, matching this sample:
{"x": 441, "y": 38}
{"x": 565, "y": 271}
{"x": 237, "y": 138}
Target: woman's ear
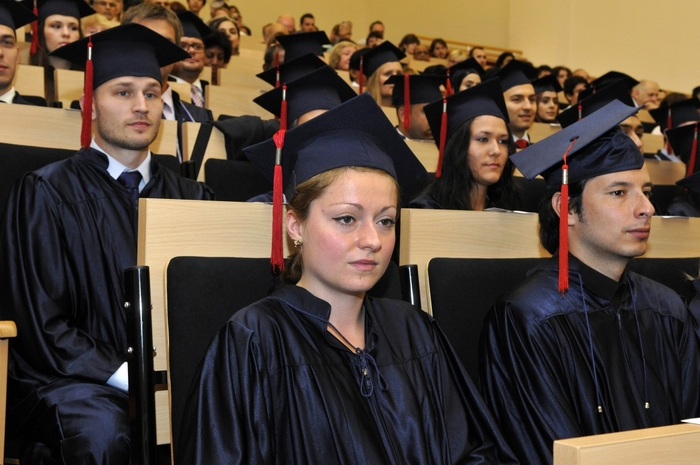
{"x": 294, "y": 226}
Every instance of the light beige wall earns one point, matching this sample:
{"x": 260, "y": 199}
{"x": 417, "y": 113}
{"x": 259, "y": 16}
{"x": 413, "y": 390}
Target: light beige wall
{"x": 466, "y": 20}
{"x": 643, "y": 38}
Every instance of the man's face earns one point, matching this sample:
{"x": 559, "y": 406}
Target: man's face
{"x": 479, "y": 54}
{"x": 573, "y": 97}
{"x": 167, "y": 30}
{"x": 195, "y": 5}
{"x": 195, "y": 63}
{"x": 378, "y": 28}
{"x": 308, "y": 25}
{"x": 9, "y": 58}
{"x": 422, "y": 53}
{"x": 647, "y": 94}
{"x": 634, "y": 128}
{"x": 288, "y": 22}
{"x": 107, "y": 8}
{"x": 614, "y": 222}
{"x": 419, "y": 129}
{"x": 127, "y": 112}
{"x": 345, "y": 30}
{"x": 521, "y": 105}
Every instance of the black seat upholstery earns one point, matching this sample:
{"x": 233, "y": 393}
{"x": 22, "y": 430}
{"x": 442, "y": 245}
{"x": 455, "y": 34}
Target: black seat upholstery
{"x": 235, "y": 180}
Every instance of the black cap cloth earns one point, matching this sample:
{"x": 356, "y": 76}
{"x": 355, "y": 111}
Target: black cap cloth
{"x": 73, "y": 8}
{"x": 610, "y": 77}
{"x": 355, "y": 133}
{"x": 321, "y": 89}
{"x": 678, "y": 113}
{"x": 14, "y": 15}
{"x": 691, "y": 182}
{"x": 547, "y": 83}
{"x": 615, "y": 91}
{"x": 516, "y": 73}
{"x": 386, "y": 52}
{"x": 684, "y": 141}
{"x": 192, "y": 26}
{"x": 296, "y": 45}
{"x": 462, "y": 69}
{"x": 292, "y": 69}
{"x": 422, "y": 88}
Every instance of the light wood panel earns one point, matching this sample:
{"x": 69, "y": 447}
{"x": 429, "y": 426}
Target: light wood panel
{"x": 539, "y": 131}
{"x": 29, "y": 80}
{"x": 669, "y": 445}
{"x": 426, "y": 152}
{"x": 171, "y": 228}
{"x": 216, "y": 148}
{"x": 427, "y": 234}
{"x": 7, "y": 330}
{"x": 183, "y": 89}
{"x": 234, "y": 101}
{"x": 69, "y": 85}
{"x": 652, "y": 142}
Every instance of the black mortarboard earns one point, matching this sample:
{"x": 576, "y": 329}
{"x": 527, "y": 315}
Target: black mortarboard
{"x": 684, "y": 141}
{"x": 73, "y": 8}
{"x": 355, "y": 58}
{"x": 516, "y": 73}
{"x": 296, "y": 45}
{"x": 126, "y": 50}
{"x": 460, "y": 70}
{"x": 588, "y": 148}
{"x": 452, "y": 112}
{"x": 608, "y": 78}
{"x": 321, "y": 89}
{"x": 292, "y": 69}
{"x": 678, "y": 113}
{"x": 600, "y": 148}
{"x": 14, "y": 15}
{"x": 423, "y": 88}
{"x": 547, "y": 83}
{"x": 615, "y": 91}
{"x": 384, "y": 53}
{"x": 691, "y": 182}
{"x": 192, "y": 26}
{"x": 340, "y": 138}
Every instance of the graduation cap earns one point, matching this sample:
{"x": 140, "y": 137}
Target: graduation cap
{"x": 607, "y": 79}
{"x": 73, "y": 8}
{"x": 691, "y": 182}
{"x": 446, "y": 116}
{"x": 321, "y": 89}
{"x": 192, "y": 26}
{"x": 684, "y": 140}
{"x": 335, "y": 139}
{"x": 292, "y": 69}
{"x": 126, "y": 50}
{"x": 671, "y": 116}
{"x": 547, "y": 83}
{"x": 459, "y": 71}
{"x": 14, "y": 15}
{"x": 296, "y": 45}
{"x": 414, "y": 89}
{"x": 588, "y": 148}
{"x": 374, "y": 58}
{"x": 615, "y": 91}
{"x": 516, "y": 73}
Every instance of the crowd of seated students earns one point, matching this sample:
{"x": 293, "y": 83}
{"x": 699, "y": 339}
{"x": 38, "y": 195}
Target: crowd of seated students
{"x": 478, "y": 117}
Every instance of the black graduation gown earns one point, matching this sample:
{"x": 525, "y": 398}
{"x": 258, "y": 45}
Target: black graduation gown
{"x": 425, "y": 201}
{"x": 683, "y": 206}
{"x": 276, "y": 387}
{"x": 69, "y": 231}
{"x": 536, "y": 367}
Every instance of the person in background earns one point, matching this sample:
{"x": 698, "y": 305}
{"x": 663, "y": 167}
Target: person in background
{"x": 217, "y": 50}
{"x": 547, "y": 97}
{"x": 438, "y": 49}
{"x": 379, "y": 64}
{"x": 307, "y": 23}
{"x": 408, "y": 44}
{"x": 13, "y": 15}
{"x": 479, "y": 54}
{"x": 421, "y": 53}
{"x": 228, "y": 27}
{"x": 562, "y": 73}
{"x": 339, "y": 56}
{"x": 195, "y": 6}
{"x": 93, "y": 24}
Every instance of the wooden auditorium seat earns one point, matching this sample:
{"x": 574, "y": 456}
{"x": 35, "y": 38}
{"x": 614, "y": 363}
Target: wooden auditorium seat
{"x": 674, "y": 444}
{"x": 234, "y": 101}
{"x": 29, "y": 80}
{"x": 7, "y": 330}
{"x": 68, "y": 85}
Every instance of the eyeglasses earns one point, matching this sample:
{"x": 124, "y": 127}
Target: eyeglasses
{"x": 195, "y": 47}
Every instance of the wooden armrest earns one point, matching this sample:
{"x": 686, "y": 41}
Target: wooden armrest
{"x": 7, "y": 329}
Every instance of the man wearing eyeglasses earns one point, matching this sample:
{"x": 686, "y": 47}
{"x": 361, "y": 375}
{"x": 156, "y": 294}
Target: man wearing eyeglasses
{"x": 192, "y": 41}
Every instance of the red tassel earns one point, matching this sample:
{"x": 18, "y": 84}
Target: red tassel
{"x": 362, "y": 74}
{"x": 443, "y": 138}
{"x": 35, "y": 31}
{"x": 448, "y": 85}
{"x": 580, "y": 111}
{"x": 564, "y": 225}
{"x": 406, "y": 102}
{"x": 277, "y": 252}
{"x": 690, "y": 169}
{"x": 86, "y": 129}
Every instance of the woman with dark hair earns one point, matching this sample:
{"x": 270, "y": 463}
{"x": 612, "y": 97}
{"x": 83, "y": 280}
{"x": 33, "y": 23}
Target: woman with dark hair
{"x": 547, "y": 95}
{"x": 229, "y": 27}
{"x": 59, "y": 24}
{"x": 476, "y": 172}
{"x": 217, "y": 50}
{"x": 320, "y": 372}
{"x": 562, "y": 73}
{"x": 438, "y": 49}
{"x": 503, "y": 59}
{"x": 409, "y": 43}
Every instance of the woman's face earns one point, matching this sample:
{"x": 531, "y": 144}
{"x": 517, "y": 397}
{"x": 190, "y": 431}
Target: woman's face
{"x": 345, "y": 55}
{"x": 410, "y": 49}
{"x": 60, "y": 30}
{"x": 348, "y": 236}
{"x": 231, "y": 31}
{"x": 562, "y": 76}
{"x": 215, "y": 57}
{"x": 488, "y": 149}
{"x": 547, "y": 106}
{"x": 470, "y": 80}
{"x": 385, "y": 72}
{"x": 439, "y": 50}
